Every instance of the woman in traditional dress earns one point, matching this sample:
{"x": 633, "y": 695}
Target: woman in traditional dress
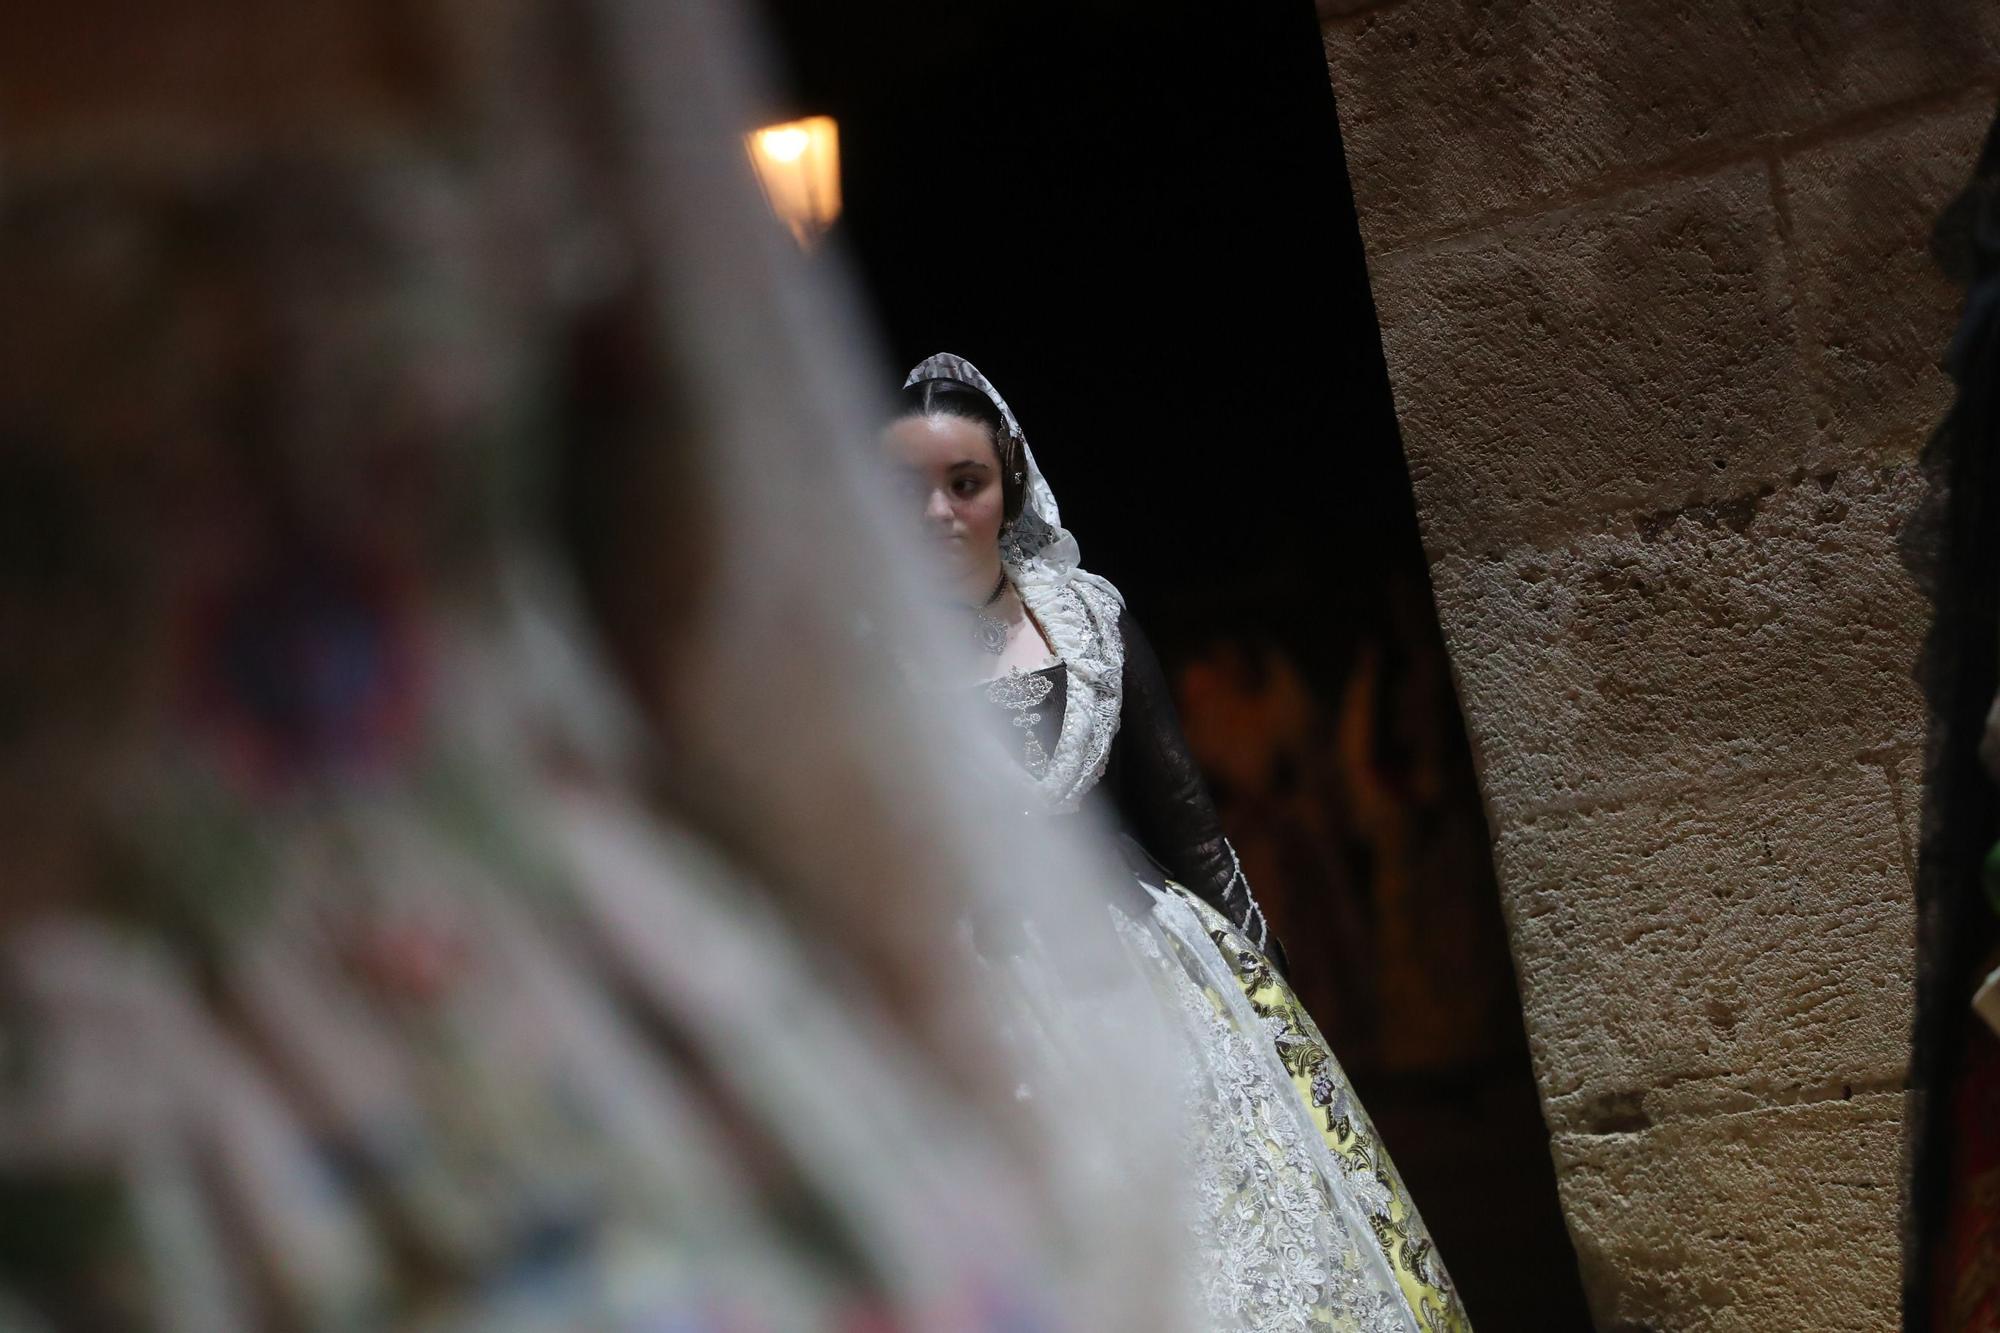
{"x": 1302, "y": 1220}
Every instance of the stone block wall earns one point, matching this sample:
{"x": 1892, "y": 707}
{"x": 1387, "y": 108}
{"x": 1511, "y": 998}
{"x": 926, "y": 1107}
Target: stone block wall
{"x": 1663, "y": 333}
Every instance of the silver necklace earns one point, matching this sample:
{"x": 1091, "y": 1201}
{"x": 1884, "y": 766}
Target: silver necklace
{"x": 990, "y": 631}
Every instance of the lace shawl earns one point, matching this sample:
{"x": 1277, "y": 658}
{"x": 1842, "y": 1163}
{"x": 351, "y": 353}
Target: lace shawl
{"x": 1077, "y": 610}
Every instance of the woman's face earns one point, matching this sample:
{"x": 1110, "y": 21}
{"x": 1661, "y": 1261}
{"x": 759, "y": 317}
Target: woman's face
{"x": 951, "y": 473}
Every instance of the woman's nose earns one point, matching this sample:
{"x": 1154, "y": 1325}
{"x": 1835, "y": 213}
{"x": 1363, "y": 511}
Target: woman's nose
{"x": 937, "y": 509}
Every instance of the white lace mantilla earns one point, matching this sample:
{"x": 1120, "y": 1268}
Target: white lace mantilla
{"x": 1081, "y": 623}
{"x": 1077, "y": 610}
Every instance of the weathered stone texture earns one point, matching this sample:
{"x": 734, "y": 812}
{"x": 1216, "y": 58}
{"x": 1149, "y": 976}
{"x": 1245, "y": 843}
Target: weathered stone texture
{"x": 1455, "y": 109}
{"x": 1773, "y": 1219}
{"x": 1748, "y": 944}
{"x": 1873, "y": 306}
{"x": 1771, "y": 633}
{"x": 1905, "y": 768}
{"x": 1656, "y": 303}
{"x": 1638, "y": 353}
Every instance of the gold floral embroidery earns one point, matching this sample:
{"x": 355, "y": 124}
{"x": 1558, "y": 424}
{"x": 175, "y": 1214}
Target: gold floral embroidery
{"x": 1345, "y": 1127}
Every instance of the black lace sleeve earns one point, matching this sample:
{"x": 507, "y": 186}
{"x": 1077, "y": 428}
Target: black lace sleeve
{"x": 1164, "y": 804}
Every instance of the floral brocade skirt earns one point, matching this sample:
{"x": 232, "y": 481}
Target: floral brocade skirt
{"x": 1307, "y": 1224}
{"x": 434, "y": 1099}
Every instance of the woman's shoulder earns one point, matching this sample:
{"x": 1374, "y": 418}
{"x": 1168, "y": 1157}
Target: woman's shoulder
{"x": 1080, "y": 621}
{"x": 1097, "y": 598}
{"x": 1113, "y": 615}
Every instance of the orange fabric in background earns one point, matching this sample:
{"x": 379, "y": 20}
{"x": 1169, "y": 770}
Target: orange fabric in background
{"x": 1967, "y": 1276}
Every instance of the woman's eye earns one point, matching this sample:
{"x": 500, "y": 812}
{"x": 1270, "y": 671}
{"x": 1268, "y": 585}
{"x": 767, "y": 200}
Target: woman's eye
{"x": 965, "y": 486}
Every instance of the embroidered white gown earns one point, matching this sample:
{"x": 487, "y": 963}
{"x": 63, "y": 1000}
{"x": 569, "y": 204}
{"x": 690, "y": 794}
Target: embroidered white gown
{"x": 1299, "y": 1218}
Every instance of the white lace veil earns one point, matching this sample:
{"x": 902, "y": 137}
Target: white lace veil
{"x": 1078, "y": 611}
{"x": 1041, "y": 555}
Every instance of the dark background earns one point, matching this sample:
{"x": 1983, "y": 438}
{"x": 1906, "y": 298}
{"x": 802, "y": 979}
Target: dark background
{"x": 1142, "y": 232}
{"x": 1139, "y": 225}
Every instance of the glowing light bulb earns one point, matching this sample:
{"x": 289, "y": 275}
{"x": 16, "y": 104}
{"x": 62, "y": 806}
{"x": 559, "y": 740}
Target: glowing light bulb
{"x": 787, "y": 144}
{"x": 798, "y": 166}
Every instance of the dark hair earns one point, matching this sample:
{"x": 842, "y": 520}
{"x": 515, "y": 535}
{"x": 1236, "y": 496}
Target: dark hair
{"x": 950, "y": 398}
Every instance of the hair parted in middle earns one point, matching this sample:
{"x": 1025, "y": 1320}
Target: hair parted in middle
{"x": 954, "y": 398}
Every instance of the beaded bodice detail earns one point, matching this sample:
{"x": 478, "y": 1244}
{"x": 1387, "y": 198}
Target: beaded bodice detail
{"x": 1034, "y": 701}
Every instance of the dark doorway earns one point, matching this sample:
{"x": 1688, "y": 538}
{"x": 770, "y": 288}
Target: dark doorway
{"x": 1139, "y": 224}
